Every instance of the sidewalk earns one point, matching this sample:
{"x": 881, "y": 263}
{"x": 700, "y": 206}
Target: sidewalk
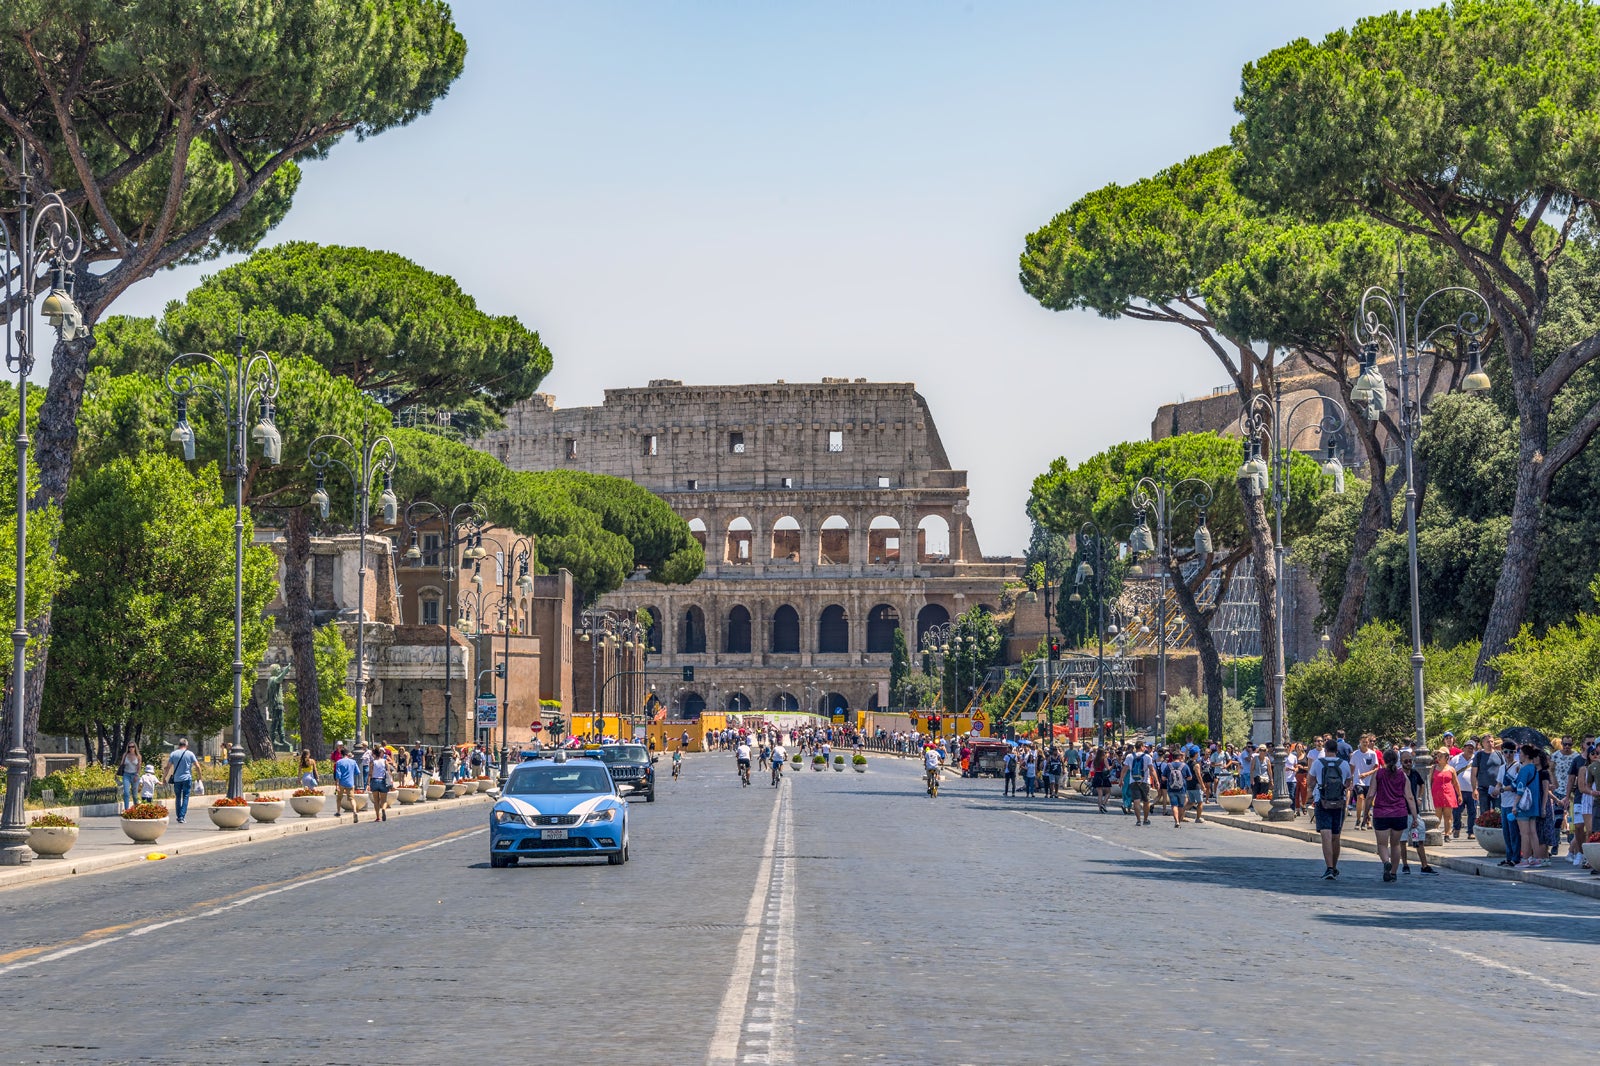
{"x": 1463, "y": 856}
{"x": 102, "y": 845}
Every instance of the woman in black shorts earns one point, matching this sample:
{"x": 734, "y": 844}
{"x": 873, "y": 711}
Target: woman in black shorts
{"x": 1392, "y": 805}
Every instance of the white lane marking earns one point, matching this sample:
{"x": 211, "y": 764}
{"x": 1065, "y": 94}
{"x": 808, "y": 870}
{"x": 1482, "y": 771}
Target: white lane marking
{"x": 1099, "y": 839}
{"x": 1496, "y": 964}
{"x": 730, "y": 1018}
{"x": 782, "y": 1015}
{"x": 224, "y": 908}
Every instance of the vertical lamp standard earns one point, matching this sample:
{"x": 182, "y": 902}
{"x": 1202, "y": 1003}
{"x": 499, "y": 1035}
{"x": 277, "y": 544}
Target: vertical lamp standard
{"x": 601, "y": 629}
{"x": 1382, "y": 321}
{"x": 49, "y": 235}
{"x": 936, "y": 641}
{"x": 476, "y": 605}
{"x": 463, "y": 535}
{"x": 1262, "y": 423}
{"x": 373, "y": 456}
{"x": 525, "y": 551}
{"x": 1152, "y": 495}
{"x": 1096, "y": 576}
{"x": 252, "y": 380}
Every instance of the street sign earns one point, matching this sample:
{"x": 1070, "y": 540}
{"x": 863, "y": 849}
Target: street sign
{"x": 535, "y": 727}
{"x": 1085, "y": 715}
{"x": 487, "y": 712}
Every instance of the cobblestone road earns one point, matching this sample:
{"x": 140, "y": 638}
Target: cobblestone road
{"x": 844, "y": 918}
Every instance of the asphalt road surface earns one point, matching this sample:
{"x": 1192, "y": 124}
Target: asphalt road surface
{"x": 843, "y": 918}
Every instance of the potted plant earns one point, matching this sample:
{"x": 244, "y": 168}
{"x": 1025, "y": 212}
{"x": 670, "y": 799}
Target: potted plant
{"x": 1234, "y": 800}
{"x": 408, "y": 794}
{"x": 229, "y": 813}
{"x": 434, "y": 789}
{"x": 819, "y": 763}
{"x": 144, "y": 822}
{"x": 838, "y": 764}
{"x": 308, "y": 802}
{"x": 265, "y": 807}
{"x": 51, "y": 836}
{"x": 359, "y": 800}
{"x": 859, "y": 762}
{"x": 1486, "y": 831}
{"x": 466, "y": 786}
{"x": 1262, "y": 804}
{"x": 796, "y": 760}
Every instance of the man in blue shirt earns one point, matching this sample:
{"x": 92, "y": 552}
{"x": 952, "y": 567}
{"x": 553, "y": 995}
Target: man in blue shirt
{"x": 180, "y": 774}
{"x": 344, "y": 784}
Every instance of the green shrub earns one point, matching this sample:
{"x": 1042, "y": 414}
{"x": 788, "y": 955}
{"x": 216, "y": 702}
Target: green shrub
{"x": 65, "y": 782}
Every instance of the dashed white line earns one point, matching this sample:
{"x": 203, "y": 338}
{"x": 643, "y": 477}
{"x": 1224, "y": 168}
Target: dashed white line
{"x": 730, "y": 1017}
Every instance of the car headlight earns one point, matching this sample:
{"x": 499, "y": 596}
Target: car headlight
{"x": 502, "y": 817}
{"x": 596, "y": 817}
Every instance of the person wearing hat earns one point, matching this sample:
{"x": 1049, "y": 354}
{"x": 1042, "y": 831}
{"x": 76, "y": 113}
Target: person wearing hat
{"x": 1449, "y": 741}
{"x": 1464, "y": 764}
{"x": 147, "y": 784}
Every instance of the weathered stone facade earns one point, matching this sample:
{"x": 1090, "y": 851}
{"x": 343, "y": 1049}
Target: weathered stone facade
{"x": 830, "y": 515}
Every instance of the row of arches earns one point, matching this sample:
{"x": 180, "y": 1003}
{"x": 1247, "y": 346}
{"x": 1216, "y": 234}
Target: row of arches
{"x": 785, "y": 543}
{"x": 692, "y": 704}
{"x": 735, "y": 635}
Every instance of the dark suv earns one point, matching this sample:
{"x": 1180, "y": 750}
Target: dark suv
{"x": 632, "y": 768}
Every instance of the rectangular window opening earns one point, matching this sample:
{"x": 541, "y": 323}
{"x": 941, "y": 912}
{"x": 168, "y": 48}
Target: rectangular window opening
{"x": 736, "y": 443}
{"x": 836, "y": 440}
{"x": 788, "y": 482}
{"x": 693, "y": 483}
{"x": 572, "y": 447}
{"x": 883, "y": 482}
{"x": 650, "y": 445}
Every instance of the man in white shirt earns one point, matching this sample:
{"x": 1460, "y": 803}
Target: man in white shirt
{"x": 1363, "y": 764}
{"x": 1329, "y": 804}
{"x": 1139, "y": 769}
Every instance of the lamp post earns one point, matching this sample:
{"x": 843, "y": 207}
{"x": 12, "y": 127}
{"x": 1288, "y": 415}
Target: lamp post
{"x": 372, "y": 456}
{"x": 50, "y": 234}
{"x": 252, "y": 379}
{"x": 476, "y": 603}
{"x": 525, "y": 551}
{"x": 463, "y": 525}
{"x": 1096, "y": 575}
{"x": 1382, "y": 321}
{"x": 602, "y": 628}
{"x": 1152, "y": 495}
{"x": 936, "y": 642}
{"x": 1262, "y": 423}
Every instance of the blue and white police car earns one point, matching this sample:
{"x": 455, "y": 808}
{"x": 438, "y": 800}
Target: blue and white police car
{"x": 560, "y": 806}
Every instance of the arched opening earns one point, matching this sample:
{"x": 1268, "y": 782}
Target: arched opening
{"x": 741, "y": 538}
{"x": 786, "y": 631}
{"x": 833, "y": 703}
{"x": 786, "y": 539}
{"x": 883, "y": 540}
{"x": 697, "y": 529}
{"x": 833, "y": 547}
{"x": 882, "y": 621}
{"x": 872, "y": 702}
{"x": 933, "y": 539}
{"x": 738, "y": 703}
{"x": 931, "y": 615}
{"x": 652, "y": 636}
{"x": 833, "y": 630}
{"x": 738, "y": 639}
{"x": 692, "y": 632}
{"x": 785, "y": 701}
{"x": 691, "y": 704}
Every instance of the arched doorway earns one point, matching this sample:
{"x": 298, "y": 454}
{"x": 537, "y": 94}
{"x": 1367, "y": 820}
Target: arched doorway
{"x": 933, "y": 539}
{"x": 833, "y": 546}
{"x": 833, "y": 631}
{"x": 691, "y": 704}
{"x": 833, "y": 703}
{"x": 738, "y": 703}
{"x": 786, "y": 631}
{"x": 692, "y": 632}
{"x": 883, "y": 540}
{"x": 786, "y": 540}
{"x": 931, "y": 615}
{"x": 882, "y": 621}
{"x": 652, "y": 636}
{"x": 738, "y": 640}
{"x": 785, "y": 701}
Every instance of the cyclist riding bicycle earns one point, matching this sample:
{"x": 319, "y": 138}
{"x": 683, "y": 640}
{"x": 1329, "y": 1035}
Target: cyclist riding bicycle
{"x": 742, "y": 755}
{"x": 931, "y": 761}
{"x": 778, "y": 756}
{"x": 677, "y": 763}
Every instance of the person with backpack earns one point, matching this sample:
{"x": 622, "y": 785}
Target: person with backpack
{"x": 1139, "y": 776}
{"x": 1330, "y": 778}
{"x": 1174, "y": 773}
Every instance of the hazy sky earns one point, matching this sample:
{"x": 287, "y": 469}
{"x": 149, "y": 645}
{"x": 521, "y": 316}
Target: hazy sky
{"x": 729, "y": 193}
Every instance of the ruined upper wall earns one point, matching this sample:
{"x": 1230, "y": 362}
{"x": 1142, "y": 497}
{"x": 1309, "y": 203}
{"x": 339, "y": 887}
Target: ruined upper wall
{"x": 670, "y": 437}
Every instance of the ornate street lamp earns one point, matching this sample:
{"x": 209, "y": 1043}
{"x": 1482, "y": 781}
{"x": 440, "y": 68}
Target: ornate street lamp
{"x": 463, "y": 525}
{"x": 30, "y": 243}
{"x": 252, "y": 381}
{"x": 1152, "y": 495}
{"x": 1261, "y": 423}
{"x": 524, "y": 550}
{"x": 371, "y": 457}
{"x": 1382, "y": 321}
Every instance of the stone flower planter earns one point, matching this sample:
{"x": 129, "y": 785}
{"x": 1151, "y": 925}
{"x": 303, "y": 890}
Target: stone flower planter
{"x": 860, "y": 767}
{"x": 229, "y": 817}
{"x": 54, "y": 841}
{"x": 308, "y": 806}
{"x": 360, "y": 803}
{"x": 434, "y": 790}
{"x": 466, "y": 786}
{"x": 1235, "y": 804}
{"x": 267, "y": 810}
{"x": 838, "y": 766}
{"x": 1493, "y": 841}
{"x": 144, "y": 830}
{"x": 1262, "y": 806}
{"x": 819, "y": 766}
{"x": 408, "y": 795}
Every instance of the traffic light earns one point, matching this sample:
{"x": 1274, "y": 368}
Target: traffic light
{"x": 500, "y": 670}
{"x": 688, "y": 673}
{"x": 1055, "y": 651}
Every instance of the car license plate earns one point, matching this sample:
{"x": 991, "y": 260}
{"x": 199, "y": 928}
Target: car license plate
{"x": 554, "y": 834}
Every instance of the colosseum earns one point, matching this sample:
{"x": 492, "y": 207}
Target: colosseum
{"x": 830, "y": 515}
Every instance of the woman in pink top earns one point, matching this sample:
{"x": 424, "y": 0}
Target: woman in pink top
{"x": 1446, "y": 791}
{"x": 1392, "y": 805}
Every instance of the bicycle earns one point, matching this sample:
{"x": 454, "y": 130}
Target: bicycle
{"x": 744, "y": 772}
{"x": 777, "y": 772}
{"x": 677, "y": 766}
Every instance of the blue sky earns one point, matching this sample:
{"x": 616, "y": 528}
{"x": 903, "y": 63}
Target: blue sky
{"x": 729, "y": 193}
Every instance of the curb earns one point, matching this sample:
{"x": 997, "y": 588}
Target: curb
{"x": 1582, "y": 885}
{"x": 54, "y": 869}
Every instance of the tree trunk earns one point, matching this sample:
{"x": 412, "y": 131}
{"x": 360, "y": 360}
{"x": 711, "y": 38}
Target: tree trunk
{"x": 297, "y": 607}
{"x": 257, "y": 733}
{"x": 1210, "y": 663}
{"x": 1515, "y": 584}
{"x": 1377, "y": 515}
{"x": 1255, "y": 517}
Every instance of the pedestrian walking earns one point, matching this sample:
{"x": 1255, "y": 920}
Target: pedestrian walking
{"x": 1177, "y": 786}
{"x": 308, "y": 769}
{"x": 181, "y": 767}
{"x": 1392, "y": 808}
{"x": 345, "y": 772}
{"x": 1416, "y": 833}
{"x": 1529, "y": 808}
{"x": 147, "y": 784}
{"x": 1139, "y": 776}
{"x": 1363, "y": 764}
{"x": 1331, "y": 780}
{"x": 1194, "y": 780}
{"x": 1463, "y": 764}
{"x": 381, "y": 781}
{"x": 128, "y": 774}
{"x": 1100, "y": 778}
{"x": 1446, "y": 794}
{"x": 1010, "y": 774}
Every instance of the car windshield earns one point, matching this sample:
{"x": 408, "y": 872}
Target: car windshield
{"x": 557, "y": 780}
{"x": 623, "y": 754}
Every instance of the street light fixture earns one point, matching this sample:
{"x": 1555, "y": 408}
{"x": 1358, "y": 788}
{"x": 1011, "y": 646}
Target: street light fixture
{"x": 1382, "y": 320}
{"x": 1261, "y": 423}
{"x": 253, "y": 379}
{"x": 524, "y": 550}
{"x": 372, "y": 456}
{"x": 50, "y": 235}
{"x": 462, "y": 523}
{"x": 1152, "y": 495}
